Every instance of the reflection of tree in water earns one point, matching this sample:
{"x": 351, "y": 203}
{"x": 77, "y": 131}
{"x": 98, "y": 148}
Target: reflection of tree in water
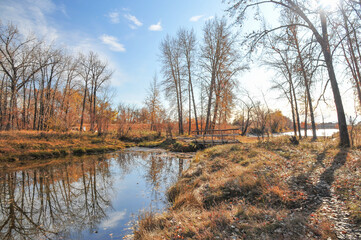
{"x": 63, "y": 199}
{"x": 160, "y": 169}
{"x": 52, "y": 201}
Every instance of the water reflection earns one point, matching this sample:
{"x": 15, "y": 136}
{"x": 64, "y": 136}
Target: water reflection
{"x": 88, "y": 198}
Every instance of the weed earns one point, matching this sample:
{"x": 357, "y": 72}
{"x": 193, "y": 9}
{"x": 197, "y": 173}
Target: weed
{"x": 148, "y": 222}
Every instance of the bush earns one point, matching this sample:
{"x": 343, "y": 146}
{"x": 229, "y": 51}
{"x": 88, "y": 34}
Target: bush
{"x": 79, "y": 151}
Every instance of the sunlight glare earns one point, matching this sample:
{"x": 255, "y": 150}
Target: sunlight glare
{"x": 327, "y": 4}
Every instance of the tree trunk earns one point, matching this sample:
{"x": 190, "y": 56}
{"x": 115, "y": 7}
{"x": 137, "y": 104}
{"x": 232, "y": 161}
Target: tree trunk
{"x": 293, "y": 113}
{"x": 94, "y": 106}
{"x": 13, "y": 108}
{"x": 180, "y": 103}
{"x": 306, "y": 115}
{"x": 209, "y": 103}
{"x": 189, "y": 111}
{"x": 307, "y": 84}
{"x": 215, "y": 112}
{"x": 297, "y": 112}
{"x": 91, "y": 100}
{"x": 2, "y": 102}
{"x": 83, "y": 108}
{"x": 342, "y": 125}
{"x": 194, "y": 106}
{"x": 28, "y": 108}
{"x": 36, "y": 93}
{"x": 24, "y": 108}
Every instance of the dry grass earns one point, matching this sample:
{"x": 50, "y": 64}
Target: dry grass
{"x": 261, "y": 190}
{"x": 171, "y": 145}
{"x": 28, "y": 145}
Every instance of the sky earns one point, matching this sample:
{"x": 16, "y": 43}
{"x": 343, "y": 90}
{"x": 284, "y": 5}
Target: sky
{"x": 127, "y": 34}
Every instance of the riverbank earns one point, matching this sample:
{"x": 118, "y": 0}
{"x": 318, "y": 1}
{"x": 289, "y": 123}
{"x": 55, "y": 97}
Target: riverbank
{"x": 172, "y": 145}
{"x": 270, "y": 190}
{"x": 32, "y": 145}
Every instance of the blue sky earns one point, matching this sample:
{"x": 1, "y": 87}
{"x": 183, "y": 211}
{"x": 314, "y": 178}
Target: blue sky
{"x": 127, "y": 34}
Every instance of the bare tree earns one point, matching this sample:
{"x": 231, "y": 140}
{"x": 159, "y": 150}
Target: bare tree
{"x": 50, "y": 74}
{"x": 219, "y": 60}
{"x": 305, "y": 75}
{"x": 281, "y": 59}
{"x": 71, "y": 65}
{"x": 172, "y": 71}
{"x": 100, "y": 74}
{"x": 187, "y": 42}
{"x": 153, "y": 104}
{"x": 85, "y": 66}
{"x": 315, "y": 20}
{"x": 16, "y": 57}
{"x": 40, "y": 87}
{"x": 244, "y": 119}
{"x": 349, "y": 36}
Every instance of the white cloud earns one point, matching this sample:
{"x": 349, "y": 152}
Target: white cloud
{"x": 113, "y": 43}
{"x": 156, "y": 27}
{"x": 209, "y": 18}
{"x": 196, "y": 18}
{"x": 113, "y": 220}
{"x": 114, "y": 17}
{"x": 135, "y": 22}
{"x": 33, "y": 17}
{"x": 30, "y": 17}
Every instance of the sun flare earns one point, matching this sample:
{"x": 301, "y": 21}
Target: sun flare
{"x": 327, "y": 4}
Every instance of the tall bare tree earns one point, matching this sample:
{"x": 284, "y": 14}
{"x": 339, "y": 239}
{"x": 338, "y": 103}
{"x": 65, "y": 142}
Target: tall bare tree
{"x": 220, "y": 62}
{"x": 281, "y": 60}
{"x": 173, "y": 82}
{"x": 315, "y": 20}
{"x": 85, "y": 67}
{"x": 17, "y": 63}
{"x": 100, "y": 74}
{"x": 349, "y": 35}
{"x": 187, "y": 40}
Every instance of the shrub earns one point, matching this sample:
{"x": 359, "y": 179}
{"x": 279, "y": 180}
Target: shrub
{"x": 79, "y": 151}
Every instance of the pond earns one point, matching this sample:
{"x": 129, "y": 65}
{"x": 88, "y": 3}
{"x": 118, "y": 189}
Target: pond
{"x": 90, "y": 197}
{"x": 319, "y": 132}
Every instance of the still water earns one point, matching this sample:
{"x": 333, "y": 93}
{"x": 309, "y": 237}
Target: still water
{"x": 93, "y": 197}
{"x": 319, "y": 132}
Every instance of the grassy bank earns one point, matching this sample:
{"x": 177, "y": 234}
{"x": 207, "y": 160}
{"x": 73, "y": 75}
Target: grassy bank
{"x": 30, "y": 145}
{"x": 270, "y": 190}
{"x": 171, "y": 145}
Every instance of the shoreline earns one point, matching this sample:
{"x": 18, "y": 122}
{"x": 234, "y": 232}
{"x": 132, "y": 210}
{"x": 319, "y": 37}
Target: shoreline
{"x": 23, "y": 146}
{"x": 260, "y": 190}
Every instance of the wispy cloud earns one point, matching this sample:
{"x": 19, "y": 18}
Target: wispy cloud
{"x": 33, "y": 17}
{"x": 30, "y": 17}
{"x": 135, "y": 23}
{"x": 156, "y": 27}
{"x": 196, "y": 18}
{"x": 113, "y": 43}
{"x": 113, "y": 220}
{"x": 209, "y": 18}
{"x": 114, "y": 17}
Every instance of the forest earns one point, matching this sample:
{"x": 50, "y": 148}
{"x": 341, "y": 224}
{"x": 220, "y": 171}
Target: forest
{"x": 46, "y": 87}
